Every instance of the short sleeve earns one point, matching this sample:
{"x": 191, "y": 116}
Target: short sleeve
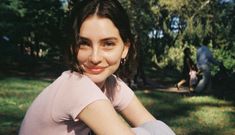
{"x": 123, "y": 96}
{"x": 74, "y": 95}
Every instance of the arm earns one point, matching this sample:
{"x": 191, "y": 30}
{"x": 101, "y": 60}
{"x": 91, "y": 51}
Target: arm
{"x": 101, "y": 117}
{"x": 142, "y": 120}
{"x": 136, "y": 114}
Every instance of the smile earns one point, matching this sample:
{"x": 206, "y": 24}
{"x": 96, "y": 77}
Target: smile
{"x": 94, "y": 70}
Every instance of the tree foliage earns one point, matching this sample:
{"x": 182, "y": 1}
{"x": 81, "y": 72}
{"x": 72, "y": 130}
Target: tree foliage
{"x": 162, "y": 28}
{"x": 33, "y": 27}
{"x": 197, "y": 19}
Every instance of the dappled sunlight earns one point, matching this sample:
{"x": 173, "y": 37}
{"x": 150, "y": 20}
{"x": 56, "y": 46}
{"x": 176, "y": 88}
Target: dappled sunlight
{"x": 207, "y": 101}
{"x": 203, "y": 99}
{"x": 191, "y": 115}
{"x": 212, "y": 116}
{"x": 186, "y": 114}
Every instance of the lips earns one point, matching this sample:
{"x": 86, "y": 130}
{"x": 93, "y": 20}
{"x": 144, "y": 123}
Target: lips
{"x": 94, "y": 70}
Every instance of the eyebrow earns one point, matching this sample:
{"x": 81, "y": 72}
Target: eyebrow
{"x": 109, "y": 38}
{"x": 104, "y": 39}
{"x": 84, "y": 38}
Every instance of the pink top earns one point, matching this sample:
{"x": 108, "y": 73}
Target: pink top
{"x": 193, "y": 77}
{"x": 55, "y": 109}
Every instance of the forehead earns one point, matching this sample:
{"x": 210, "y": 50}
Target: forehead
{"x": 95, "y": 26}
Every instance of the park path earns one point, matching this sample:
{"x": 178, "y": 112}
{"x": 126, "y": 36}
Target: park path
{"x": 162, "y": 87}
{"x": 170, "y": 89}
{"x": 173, "y": 90}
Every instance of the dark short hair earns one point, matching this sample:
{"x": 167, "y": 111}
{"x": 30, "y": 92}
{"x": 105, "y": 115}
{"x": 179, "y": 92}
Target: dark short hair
{"x": 187, "y": 51}
{"x": 110, "y": 9}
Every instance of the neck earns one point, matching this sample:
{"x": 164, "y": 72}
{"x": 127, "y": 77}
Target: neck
{"x": 101, "y": 85}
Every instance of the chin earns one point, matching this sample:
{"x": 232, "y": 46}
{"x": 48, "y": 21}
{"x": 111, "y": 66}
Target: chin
{"x": 96, "y": 78}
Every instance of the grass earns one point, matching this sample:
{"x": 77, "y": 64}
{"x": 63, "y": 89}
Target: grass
{"x": 16, "y": 94}
{"x": 192, "y": 115}
{"x": 185, "y": 114}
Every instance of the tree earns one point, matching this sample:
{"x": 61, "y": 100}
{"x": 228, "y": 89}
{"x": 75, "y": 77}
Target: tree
{"x": 35, "y": 26}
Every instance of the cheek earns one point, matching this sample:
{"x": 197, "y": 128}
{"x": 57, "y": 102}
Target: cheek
{"x": 82, "y": 57}
{"x": 113, "y": 58}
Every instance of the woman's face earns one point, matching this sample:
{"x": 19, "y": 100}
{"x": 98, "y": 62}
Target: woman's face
{"x": 101, "y": 49}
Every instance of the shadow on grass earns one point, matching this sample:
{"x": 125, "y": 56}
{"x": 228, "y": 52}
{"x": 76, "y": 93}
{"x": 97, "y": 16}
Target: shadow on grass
{"x": 10, "y": 123}
{"x": 177, "y": 110}
{"x": 191, "y": 114}
{"x": 166, "y": 106}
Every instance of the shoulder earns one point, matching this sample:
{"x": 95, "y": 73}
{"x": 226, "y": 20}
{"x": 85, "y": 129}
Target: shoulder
{"x": 74, "y": 84}
{"x": 75, "y": 78}
{"x": 71, "y": 75}
{"x": 123, "y": 95}
{"x": 122, "y": 85}
{"x": 116, "y": 83}
{"x": 75, "y": 92}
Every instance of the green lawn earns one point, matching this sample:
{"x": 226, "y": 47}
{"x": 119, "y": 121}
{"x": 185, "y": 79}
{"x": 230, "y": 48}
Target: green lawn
{"x": 16, "y": 94}
{"x": 186, "y": 114}
{"x": 192, "y": 115}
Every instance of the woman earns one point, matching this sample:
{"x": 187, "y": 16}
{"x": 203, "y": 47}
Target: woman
{"x": 86, "y": 99}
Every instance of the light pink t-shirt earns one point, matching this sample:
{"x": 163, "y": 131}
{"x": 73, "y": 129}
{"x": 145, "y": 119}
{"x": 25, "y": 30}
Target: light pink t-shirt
{"x": 55, "y": 109}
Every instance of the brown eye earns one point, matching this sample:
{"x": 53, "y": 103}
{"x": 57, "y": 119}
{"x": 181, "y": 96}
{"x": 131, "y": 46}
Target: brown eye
{"x": 108, "y": 44}
{"x": 83, "y": 43}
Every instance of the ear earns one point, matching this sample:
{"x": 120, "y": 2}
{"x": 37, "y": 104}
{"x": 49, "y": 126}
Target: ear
{"x": 125, "y": 50}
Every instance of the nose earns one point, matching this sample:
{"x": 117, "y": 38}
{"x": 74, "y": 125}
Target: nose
{"x": 95, "y": 57}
